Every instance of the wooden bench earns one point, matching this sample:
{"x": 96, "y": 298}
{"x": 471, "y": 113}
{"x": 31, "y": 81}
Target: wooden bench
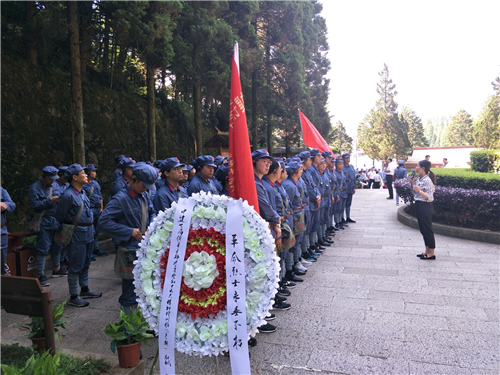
{"x": 25, "y": 296}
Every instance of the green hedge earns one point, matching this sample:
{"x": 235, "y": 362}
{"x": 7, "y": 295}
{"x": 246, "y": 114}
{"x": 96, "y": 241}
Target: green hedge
{"x": 485, "y": 161}
{"x": 465, "y": 178}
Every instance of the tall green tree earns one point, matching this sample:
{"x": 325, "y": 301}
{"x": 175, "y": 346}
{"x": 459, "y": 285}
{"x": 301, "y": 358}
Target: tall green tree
{"x": 203, "y": 42}
{"x": 487, "y": 126}
{"x": 496, "y": 85}
{"x": 459, "y": 132}
{"x": 293, "y": 37}
{"x": 415, "y": 128}
{"x": 340, "y": 139}
{"x": 382, "y": 134}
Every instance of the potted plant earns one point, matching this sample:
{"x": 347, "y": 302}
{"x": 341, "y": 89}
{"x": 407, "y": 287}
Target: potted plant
{"x": 36, "y": 327}
{"x": 127, "y": 336}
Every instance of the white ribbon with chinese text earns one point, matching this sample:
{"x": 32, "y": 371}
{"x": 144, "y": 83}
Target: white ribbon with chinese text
{"x": 172, "y": 286}
{"x": 236, "y": 296}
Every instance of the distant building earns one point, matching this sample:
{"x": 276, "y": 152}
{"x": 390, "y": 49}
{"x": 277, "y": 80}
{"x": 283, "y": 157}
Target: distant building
{"x": 362, "y": 161}
{"x": 458, "y": 156}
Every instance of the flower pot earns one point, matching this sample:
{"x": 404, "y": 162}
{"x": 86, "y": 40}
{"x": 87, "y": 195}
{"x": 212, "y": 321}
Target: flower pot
{"x": 40, "y": 342}
{"x": 129, "y": 355}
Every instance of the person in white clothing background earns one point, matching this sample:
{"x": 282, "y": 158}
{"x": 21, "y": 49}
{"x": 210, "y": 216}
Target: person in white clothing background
{"x": 371, "y": 175}
{"x": 389, "y": 176}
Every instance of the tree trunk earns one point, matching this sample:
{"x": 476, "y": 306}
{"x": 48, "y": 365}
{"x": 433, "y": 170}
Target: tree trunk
{"x": 269, "y": 132}
{"x": 197, "y": 118}
{"x": 175, "y": 86}
{"x": 105, "y": 50}
{"x": 76, "y": 85}
{"x": 151, "y": 112}
{"x": 255, "y": 130}
{"x": 31, "y": 9}
{"x": 122, "y": 56}
{"x": 113, "y": 63}
{"x": 163, "y": 78}
{"x": 85, "y": 12}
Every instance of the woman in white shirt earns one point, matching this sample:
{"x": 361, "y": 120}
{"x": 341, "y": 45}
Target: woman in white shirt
{"x": 423, "y": 192}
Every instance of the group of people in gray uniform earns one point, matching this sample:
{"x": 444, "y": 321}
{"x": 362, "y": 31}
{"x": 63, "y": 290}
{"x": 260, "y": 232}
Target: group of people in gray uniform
{"x": 310, "y": 196}
{"x": 305, "y": 199}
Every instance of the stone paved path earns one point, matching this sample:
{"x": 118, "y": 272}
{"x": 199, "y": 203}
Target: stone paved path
{"x": 369, "y": 306}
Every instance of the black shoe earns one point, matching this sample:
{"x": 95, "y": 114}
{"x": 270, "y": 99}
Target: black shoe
{"x": 319, "y": 252}
{"x": 328, "y": 240}
{"x": 90, "y": 294}
{"x": 283, "y": 291}
{"x": 349, "y": 220}
{"x": 60, "y": 273}
{"x": 78, "y": 302}
{"x": 43, "y": 280}
{"x": 307, "y": 256}
{"x": 313, "y": 248}
{"x": 323, "y": 243}
{"x": 267, "y": 328}
{"x": 92, "y": 257}
{"x": 290, "y": 284}
{"x": 281, "y": 306}
{"x": 269, "y": 317}
{"x": 100, "y": 253}
{"x": 290, "y": 275}
{"x": 389, "y": 198}
{"x": 344, "y": 224}
{"x": 252, "y": 341}
{"x": 279, "y": 299}
{"x": 339, "y": 227}
{"x": 319, "y": 247}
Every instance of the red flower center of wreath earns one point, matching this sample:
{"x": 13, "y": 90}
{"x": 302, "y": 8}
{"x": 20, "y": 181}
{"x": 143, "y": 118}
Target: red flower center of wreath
{"x": 208, "y": 301}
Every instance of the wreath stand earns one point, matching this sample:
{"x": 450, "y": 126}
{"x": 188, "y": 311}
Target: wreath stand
{"x": 216, "y": 359}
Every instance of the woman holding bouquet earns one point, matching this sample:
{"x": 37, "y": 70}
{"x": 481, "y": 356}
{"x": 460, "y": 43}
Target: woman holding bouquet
{"x": 423, "y": 192}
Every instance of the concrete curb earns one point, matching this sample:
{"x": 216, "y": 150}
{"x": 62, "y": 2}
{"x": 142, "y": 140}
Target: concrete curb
{"x": 450, "y": 231}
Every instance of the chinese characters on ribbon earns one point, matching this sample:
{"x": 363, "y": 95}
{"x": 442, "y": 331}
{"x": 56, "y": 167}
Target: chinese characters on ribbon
{"x": 236, "y": 296}
{"x": 171, "y": 289}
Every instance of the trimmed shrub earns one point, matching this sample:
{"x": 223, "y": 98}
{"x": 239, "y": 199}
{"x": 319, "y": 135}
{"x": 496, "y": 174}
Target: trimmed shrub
{"x": 469, "y": 208}
{"x": 465, "y": 178}
{"x": 485, "y": 161}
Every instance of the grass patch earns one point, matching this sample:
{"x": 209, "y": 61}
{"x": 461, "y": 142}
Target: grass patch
{"x": 17, "y": 355}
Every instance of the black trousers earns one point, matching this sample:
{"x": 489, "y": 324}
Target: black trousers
{"x": 388, "y": 179}
{"x": 424, "y": 216}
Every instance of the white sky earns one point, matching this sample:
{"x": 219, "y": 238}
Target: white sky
{"x": 442, "y": 55}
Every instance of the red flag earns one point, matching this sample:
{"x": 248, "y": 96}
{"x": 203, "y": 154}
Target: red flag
{"x": 312, "y": 138}
{"x": 241, "y": 176}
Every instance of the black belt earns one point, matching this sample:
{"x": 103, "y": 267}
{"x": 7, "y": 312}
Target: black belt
{"x": 79, "y": 224}
{"x": 298, "y": 208}
{"x": 342, "y": 189}
{"x": 325, "y": 196}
